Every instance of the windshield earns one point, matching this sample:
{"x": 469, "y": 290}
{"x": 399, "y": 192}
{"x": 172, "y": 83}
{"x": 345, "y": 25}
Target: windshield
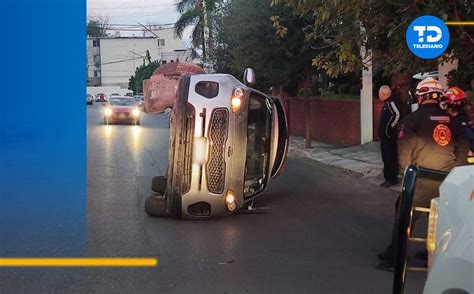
{"x": 122, "y": 101}
{"x": 258, "y": 144}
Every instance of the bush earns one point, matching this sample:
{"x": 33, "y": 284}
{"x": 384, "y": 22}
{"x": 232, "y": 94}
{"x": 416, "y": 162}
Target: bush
{"x": 333, "y": 89}
{"x": 345, "y": 89}
{"x": 315, "y": 92}
{"x": 355, "y": 90}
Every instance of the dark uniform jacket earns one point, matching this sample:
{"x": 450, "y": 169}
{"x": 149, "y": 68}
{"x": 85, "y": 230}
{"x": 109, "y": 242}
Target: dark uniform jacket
{"x": 461, "y": 121}
{"x": 427, "y": 139}
{"x": 389, "y": 119}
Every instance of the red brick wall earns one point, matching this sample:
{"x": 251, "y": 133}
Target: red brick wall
{"x": 332, "y": 121}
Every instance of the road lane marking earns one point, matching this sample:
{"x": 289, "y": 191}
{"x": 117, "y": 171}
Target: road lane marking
{"x": 78, "y": 262}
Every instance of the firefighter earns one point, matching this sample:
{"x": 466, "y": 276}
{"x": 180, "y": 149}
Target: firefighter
{"x": 427, "y": 140}
{"x": 456, "y": 102}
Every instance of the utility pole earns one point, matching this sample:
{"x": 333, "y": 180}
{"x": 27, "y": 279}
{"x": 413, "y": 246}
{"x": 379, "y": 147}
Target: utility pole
{"x": 157, "y": 39}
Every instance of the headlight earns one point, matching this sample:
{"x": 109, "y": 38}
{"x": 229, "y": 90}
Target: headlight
{"x": 108, "y": 111}
{"x": 236, "y": 100}
{"x": 230, "y": 202}
{"x": 432, "y": 223}
{"x": 136, "y": 112}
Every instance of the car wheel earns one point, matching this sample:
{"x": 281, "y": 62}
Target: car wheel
{"x": 158, "y": 184}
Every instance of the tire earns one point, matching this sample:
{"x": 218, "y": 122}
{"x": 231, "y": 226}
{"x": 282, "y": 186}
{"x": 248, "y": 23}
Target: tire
{"x": 158, "y": 184}
{"x": 155, "y": 205}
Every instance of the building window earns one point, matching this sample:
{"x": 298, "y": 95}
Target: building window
{"x": 161, "y": 42}
{"x": 96, "y": 43}
{"x": 163, "y": 62}
{"x": 171, "y": 60}
{"x": 96, "y": 73}
{"x": 97, "y": 58}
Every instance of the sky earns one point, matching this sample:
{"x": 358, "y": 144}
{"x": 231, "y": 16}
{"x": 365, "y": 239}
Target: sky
{"x": 130, "y": 12}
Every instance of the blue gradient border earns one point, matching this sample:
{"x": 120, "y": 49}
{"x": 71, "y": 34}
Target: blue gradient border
{"x": 43, "y": 128}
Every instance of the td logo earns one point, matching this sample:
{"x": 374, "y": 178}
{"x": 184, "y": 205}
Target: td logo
{"x": 427, "y": 37}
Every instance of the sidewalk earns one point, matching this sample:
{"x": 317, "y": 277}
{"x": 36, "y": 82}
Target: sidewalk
{"x": 362, "y": 159}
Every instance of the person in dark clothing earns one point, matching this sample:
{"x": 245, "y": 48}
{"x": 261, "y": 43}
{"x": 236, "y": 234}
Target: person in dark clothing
{"x": 456, "y": 100}
{"x": 388, "y": 132}
{"x": 427, "y": 139}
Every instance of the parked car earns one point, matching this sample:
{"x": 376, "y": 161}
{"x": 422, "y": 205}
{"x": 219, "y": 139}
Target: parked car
{"x": 100, "y": 98}
{"x": 89, "y": 99}
{"x": 139, "y": 99}
{"x": 121, "y": 109}
{"x": 129, "y": 94}
{"x": 227, "y": 141}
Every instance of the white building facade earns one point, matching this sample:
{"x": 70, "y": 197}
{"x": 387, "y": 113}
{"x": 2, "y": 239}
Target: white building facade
{"x": 111, "y": 61}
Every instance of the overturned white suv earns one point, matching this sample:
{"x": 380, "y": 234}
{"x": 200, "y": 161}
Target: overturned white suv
{"x": 227, "y": 141}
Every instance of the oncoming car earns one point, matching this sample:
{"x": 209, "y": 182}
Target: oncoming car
{"x": 121, "y": 109}
{"x": 227, "y": 141}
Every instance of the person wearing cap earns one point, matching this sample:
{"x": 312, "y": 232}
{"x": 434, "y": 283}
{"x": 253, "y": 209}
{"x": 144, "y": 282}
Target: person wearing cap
{"x": 390, "y": 116}
{"x": 456, "y": 102}
{"x": 427, "y": 140}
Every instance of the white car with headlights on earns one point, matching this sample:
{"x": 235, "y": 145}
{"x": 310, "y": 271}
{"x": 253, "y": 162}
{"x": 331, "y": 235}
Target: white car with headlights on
{"x": 450, "y": 235}
{"x": 227, "y": 141}
{"x": 121, "y": 109}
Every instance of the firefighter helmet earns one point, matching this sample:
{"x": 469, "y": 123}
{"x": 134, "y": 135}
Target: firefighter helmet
{"x": 455, "y": 95}
{"x": 430, "y": 86}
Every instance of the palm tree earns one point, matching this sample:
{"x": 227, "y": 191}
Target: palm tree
{"x": 193, "y": 12}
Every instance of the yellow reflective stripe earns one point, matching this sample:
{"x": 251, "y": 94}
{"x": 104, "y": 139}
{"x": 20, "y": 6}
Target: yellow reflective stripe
{"x": 78, "y": 262}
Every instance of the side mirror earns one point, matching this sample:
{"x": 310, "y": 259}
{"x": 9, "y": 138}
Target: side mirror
{"x": 249, "y": 77}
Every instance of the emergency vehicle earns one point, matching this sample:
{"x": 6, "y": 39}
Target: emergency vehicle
{"x": 450, "y": 234}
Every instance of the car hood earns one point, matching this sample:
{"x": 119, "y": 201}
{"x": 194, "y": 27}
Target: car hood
{"x": 122, "y": 108}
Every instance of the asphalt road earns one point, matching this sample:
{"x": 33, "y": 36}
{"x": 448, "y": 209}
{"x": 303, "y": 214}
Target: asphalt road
{"x": 320, "y": 234}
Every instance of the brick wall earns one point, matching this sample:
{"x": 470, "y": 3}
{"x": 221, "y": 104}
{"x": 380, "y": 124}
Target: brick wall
{"x": 332, "y": 121}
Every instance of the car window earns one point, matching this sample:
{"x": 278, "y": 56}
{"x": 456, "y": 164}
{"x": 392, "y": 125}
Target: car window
{"x": 258, "y": 144}
{"x": 122, "y": 101}
{"x": 207, "y": 89}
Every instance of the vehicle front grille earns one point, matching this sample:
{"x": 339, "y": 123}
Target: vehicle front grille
{"x": 187, "y": 137}
{"x": 217, "y": 135}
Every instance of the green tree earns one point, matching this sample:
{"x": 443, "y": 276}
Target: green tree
{"x": 135, "y": 83}
{"x": 192, "y": 14}
{"x": 245, "y": 37}
{"x": 336, "y": 34}
{"x": 97, "y": 26}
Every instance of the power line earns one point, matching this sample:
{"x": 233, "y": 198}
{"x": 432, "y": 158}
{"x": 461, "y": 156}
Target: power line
{"x": 117, "y": 61}
{"x": 132, "y": 7}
